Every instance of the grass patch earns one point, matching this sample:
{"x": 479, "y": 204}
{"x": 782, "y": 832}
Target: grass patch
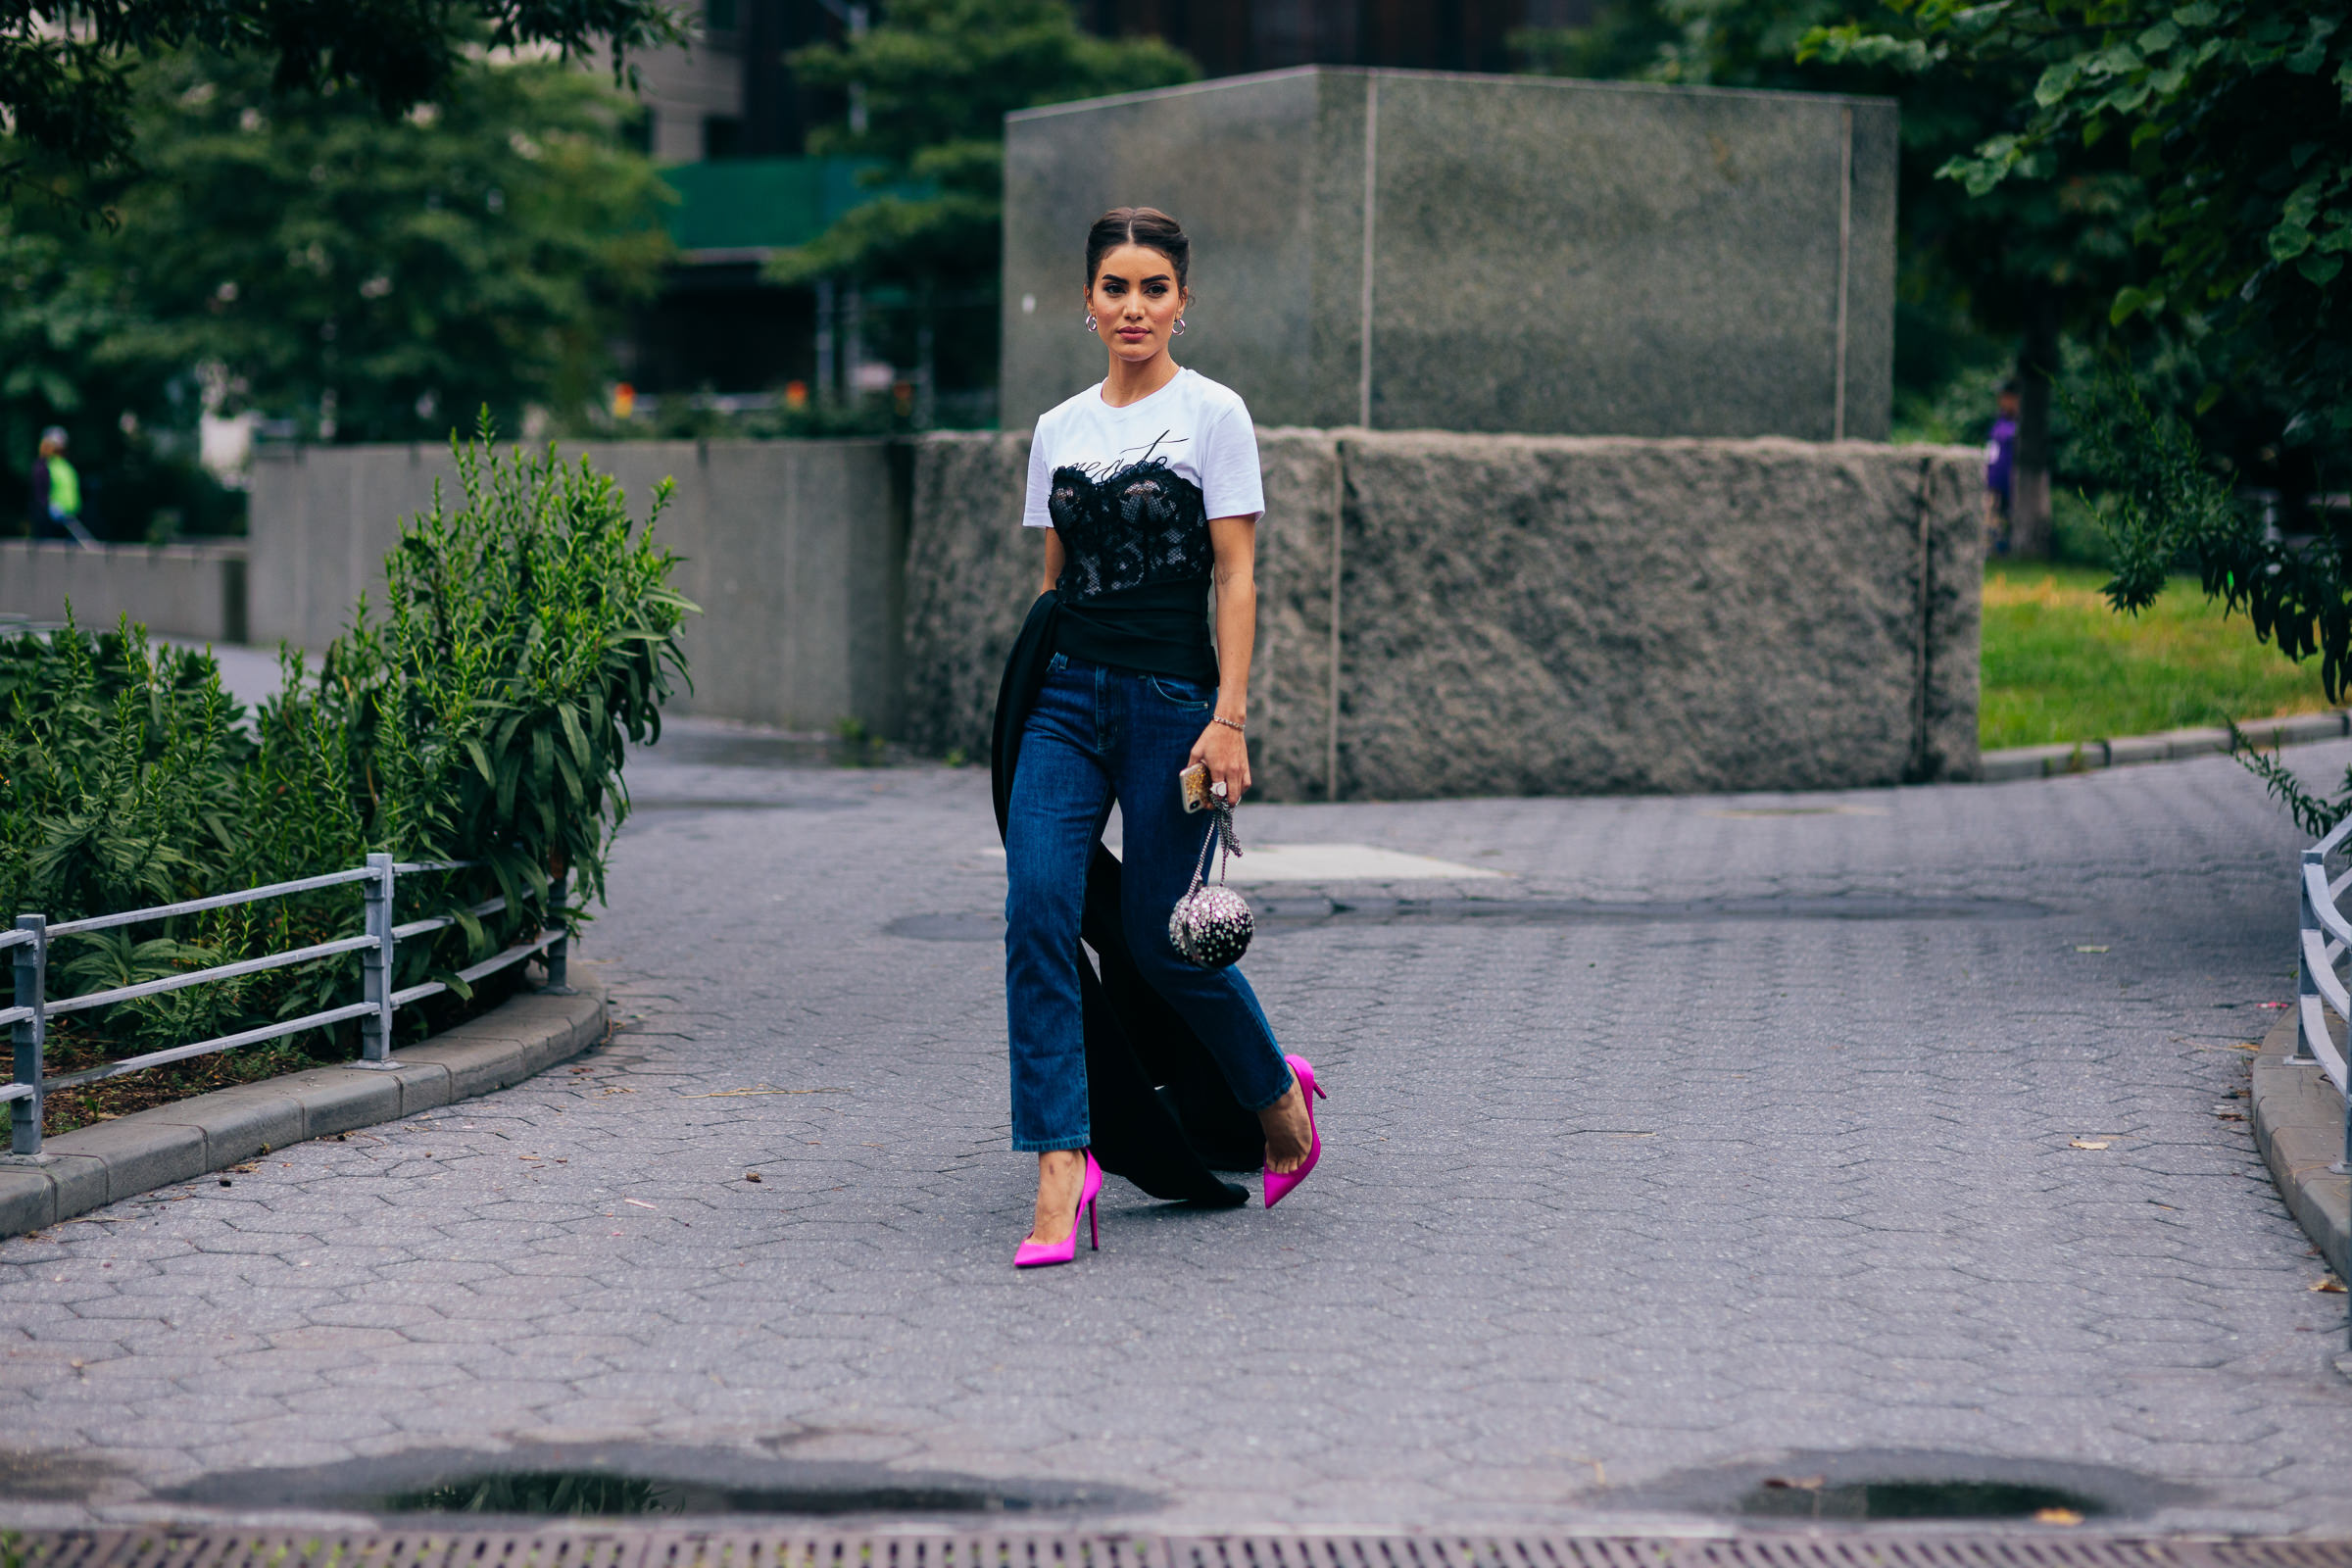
{"x": 2059, "y": 665}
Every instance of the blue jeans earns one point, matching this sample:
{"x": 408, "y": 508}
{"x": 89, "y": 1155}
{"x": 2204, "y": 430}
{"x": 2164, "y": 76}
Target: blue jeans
{"x": 1095, "y": 735}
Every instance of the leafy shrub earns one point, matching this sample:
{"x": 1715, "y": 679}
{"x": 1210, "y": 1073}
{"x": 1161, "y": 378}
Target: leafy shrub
{"x": 529, "y": 635}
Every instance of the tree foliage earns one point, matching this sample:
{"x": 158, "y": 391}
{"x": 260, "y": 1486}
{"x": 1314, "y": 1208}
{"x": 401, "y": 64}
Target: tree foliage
{"x": 2233, "y": 122}
{"x": 372, "y": 278}
{"x": 937, "y": 78}
{"x": 296, "y": 254}
{"x": 67, "y": 71}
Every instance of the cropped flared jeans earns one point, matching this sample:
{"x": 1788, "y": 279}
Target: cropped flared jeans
{"x": 1098, "y": 734}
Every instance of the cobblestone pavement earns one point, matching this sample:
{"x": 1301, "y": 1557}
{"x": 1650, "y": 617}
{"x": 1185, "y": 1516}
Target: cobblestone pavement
{"x": 1898, "y": 1120}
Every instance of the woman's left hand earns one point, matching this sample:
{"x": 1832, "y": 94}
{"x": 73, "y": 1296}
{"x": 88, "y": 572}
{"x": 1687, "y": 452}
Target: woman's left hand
{"x": 1226, "y": 750}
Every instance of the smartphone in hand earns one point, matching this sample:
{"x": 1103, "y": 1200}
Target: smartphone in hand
{"x": 1194, "y": 782}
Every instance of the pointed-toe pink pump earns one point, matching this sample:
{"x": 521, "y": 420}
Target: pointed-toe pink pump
{"x": 1280, "y": 1186}
{"x": 1044, "y": 1254}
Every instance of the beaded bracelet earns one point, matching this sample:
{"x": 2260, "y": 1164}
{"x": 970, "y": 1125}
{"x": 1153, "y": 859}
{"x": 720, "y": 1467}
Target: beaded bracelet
{"x": 1229, "y": 723}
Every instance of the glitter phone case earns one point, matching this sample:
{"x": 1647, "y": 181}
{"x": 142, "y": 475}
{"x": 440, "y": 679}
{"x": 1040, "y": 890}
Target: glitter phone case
{"x": 1194, "y": 782}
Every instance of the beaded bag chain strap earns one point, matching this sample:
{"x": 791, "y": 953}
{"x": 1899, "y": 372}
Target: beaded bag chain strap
{"x": 1212, "y": 926}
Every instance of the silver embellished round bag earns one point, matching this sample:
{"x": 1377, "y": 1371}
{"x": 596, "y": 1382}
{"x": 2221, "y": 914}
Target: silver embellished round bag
{"x": 1212, "y": 926}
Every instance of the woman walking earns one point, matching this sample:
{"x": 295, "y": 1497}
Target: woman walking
{"x": 1145, "y": 486}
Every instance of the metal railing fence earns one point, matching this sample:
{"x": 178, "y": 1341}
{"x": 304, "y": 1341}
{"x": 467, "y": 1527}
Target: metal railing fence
{"x": 2324, "y": 941}
{"x": 377, "y": 947}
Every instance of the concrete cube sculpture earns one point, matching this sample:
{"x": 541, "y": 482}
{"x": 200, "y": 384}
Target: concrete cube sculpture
{"x": 1415, "y": 250}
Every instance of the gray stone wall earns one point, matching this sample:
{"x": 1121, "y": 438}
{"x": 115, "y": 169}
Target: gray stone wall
{"x": 1537, "y": 614}
{"x": 973, "y": 571}
{"x": 1513, "y": 615}
{"x": 1415, "y": 250}
{"x": 1531, "y": 615}
{"x": 794, "y": 550}
{"x": 193, "y": 593}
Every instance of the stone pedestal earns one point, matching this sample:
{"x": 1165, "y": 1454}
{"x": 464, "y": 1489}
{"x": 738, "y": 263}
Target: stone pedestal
{"x": 1410, "y": 250}
{"x": 1445, "y": 614}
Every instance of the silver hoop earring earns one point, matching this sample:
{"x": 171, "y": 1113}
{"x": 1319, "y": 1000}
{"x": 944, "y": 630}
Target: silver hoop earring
{"x": 1179, "y": 328}
{"x": 1090, "y": 321}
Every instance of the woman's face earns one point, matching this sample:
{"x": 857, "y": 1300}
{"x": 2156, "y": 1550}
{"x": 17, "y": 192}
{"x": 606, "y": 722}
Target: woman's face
{"x": 1135, "y": 301}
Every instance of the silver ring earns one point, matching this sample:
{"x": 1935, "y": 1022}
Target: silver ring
{"x": 1217, "y": 789}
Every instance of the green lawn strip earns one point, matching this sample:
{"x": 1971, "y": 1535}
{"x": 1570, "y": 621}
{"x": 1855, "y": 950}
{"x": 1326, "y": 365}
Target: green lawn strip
{"x": 2059, "y": 665}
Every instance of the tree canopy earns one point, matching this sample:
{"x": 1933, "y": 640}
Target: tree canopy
{"x": 2234, "y": 121}
{"x": 2231, "y": 121}
{"x": 936, "y": 78}
{"x": 67, "y": 71}
{"x": 293, "y": 253}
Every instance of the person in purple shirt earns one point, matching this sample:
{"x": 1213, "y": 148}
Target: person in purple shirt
{"x": 2000, "y": 471}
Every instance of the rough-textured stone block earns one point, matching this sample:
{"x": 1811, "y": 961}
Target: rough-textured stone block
{"x": 1525, "y": 615}
{"x": 972, "y": 572}
{"x": 1291, "y": 673}
{"x": 27, "y": 1199}
{"x": 1409, "y": 250}
{"x": 1539, "y": 615}
{"x": 140, "y": 1151}
{"x": 2130, "y": 749}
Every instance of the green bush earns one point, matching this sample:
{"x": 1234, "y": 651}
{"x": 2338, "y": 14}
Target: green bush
{"x": 529, "y": 635}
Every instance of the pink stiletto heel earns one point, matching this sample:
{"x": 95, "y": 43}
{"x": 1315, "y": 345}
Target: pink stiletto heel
{"x": 1042, "y": 1255}
{"x": 1280, "y": 1186}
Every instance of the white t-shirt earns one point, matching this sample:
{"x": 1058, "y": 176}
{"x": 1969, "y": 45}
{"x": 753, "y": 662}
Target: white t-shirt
{"x": 1200, "y": 426}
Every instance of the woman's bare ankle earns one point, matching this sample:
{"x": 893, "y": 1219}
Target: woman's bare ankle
{"x": 1060, "y": 1175}
{"x": 1289, "y": 1134}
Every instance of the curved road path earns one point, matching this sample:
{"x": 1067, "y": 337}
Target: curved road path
{"x": 1741, "y": 1131}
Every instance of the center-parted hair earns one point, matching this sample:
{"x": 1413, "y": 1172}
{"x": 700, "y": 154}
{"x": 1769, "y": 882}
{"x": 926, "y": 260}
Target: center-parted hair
{"x": 1146, "y": 226}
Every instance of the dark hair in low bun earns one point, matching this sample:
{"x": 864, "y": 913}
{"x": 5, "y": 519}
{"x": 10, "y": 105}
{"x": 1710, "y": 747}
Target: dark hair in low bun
{"x": 1148, "y": 227}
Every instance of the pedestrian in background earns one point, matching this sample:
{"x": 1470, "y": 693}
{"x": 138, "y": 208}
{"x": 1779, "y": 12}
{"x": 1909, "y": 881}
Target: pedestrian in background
{"x": 2000, "y": 471}
{"x": 57, "y": 493}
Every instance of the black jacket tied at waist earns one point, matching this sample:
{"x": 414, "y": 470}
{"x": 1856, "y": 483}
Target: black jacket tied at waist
{"x": 1162, "y": 1114}
{"x": 1156, "y": 628}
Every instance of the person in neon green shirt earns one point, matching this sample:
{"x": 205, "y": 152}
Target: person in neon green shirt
{"x": 57, "y": 493}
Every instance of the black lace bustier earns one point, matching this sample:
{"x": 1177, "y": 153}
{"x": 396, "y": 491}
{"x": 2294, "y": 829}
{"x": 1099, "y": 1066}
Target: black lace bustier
{"x": 1132, "y": 525}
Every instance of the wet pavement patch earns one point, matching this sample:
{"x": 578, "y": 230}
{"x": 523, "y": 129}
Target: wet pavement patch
{"x": 976, "y": 926}
{"x": 30, "y": 1475}
{"x": 635, "y": 1480}
{"x": 1913, "y": 1487}
{"x": 1815, "y": 1497}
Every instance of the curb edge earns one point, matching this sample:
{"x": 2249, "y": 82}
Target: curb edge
{"x": 111, "y": 1161}
{"x": 2299, "y": 1126}
{"x": 2124, "y": 751}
